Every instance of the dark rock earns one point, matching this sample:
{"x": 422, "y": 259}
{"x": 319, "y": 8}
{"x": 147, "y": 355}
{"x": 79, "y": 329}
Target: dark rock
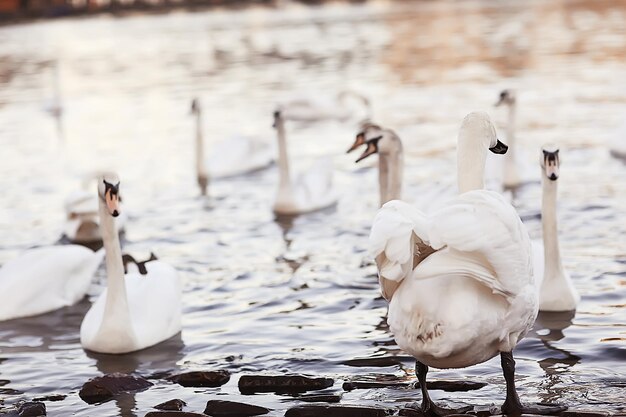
{"x": 373, "y": 362}
{"x": 104, "y": 388}
{"x": 173, "y": 414}
{"x": 211, "y": 379}
{"x": 585, "y": 413}
{"x": 322, "y": 398}
{"x": 31, "y": 409}
{"x": 9, "y": 391}
{"x": 453, "y": 386}
{"x": 352, "y": 385}
{"x": 53, "y": 397}
{"x": 411, "y": 412}
{"x": 3, "y": 382}
{"x": 171, "y": 405}
{"x": 231, "y": 408}
{"x": 335, "y": 411}
{"x": 249, "y": 384}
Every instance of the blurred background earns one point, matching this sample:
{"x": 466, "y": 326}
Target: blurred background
{"x": 89, "y": 85}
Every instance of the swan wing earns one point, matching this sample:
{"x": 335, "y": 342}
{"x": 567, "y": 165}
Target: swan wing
{"x": 399, "y": 241}
{"x": 483, "y": 225}
{"x": 314, "y": 187}
{"x": 239, "y": 155}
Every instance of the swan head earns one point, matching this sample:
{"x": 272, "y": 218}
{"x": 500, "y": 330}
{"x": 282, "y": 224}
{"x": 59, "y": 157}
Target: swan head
{"x": 109, "y": 192}
{"x": 195, "y": 106}
{"x": 478, "y": 129}
{"x": 377, "y": 140}
{"x": 550, "y": 162}
{"x": 507, "y": 97}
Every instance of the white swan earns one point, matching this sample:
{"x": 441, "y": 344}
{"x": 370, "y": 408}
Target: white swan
{"x": 388, "y": 145}
{"x": 513, "y": 170}
{"x": 236, "y": 156}
{"x": 135, "y": 311}
{"x": 45, "y": 279}
{"x": 312, "y": 190}
{"x": 459, "y": 282}
{"x": 347, "y": 105}
{"x": 82, "y": 219}
{"x": 557, "y": 291}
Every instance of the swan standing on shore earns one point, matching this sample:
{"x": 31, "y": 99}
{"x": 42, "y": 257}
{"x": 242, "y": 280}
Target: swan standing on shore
{"x": 236, "y": 156}
{"x": 46, "y": 279}
{"x": 388, "y": 145}
{"x": 459, "y": 283}
{"x": 135, "y": 311}
{"x": 312, "y": 190}
{"x": 557, "y": 290}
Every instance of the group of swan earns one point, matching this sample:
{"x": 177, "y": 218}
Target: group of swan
{"x": 460, "y": 282}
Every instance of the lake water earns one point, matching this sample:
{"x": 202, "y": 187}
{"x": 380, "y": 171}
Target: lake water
{"x": 301, "y": 295}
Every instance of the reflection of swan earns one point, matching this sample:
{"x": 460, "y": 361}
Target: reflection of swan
{"x": 235, "y": 156}
{"x": 312, "y": 190}
{"x": 346, "y": 105}
{"x": 135, "y": 311}
{"x": 45, "y": 279}
{"x": 82, "y": 220}
{"x": 460, "y": 283}
{"x": 388, "y": 145}
{"x": 557, "y": 290}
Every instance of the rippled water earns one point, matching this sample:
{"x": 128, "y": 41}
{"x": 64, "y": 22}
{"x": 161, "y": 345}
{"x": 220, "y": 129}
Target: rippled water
{"x": 301, "y": 295}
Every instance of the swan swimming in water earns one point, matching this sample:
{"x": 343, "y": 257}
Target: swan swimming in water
{"x": 44, "y": 279}
{"x": 312, "y": 190}
{"x": 135, "y": 311}
{"x": 388, "y": 146}
{"x": 238, "y": 155}
{"x": 459, "y": 282}
{"x": 557, "y": 291}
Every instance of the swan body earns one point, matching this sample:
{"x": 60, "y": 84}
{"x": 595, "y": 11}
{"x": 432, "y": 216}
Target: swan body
{"x": 238, "y": 155}
{"x": 557, "y": 291}
{"x": 82, "y": 220}
{"x": 135, "y": 311}
{"x": 347, "y": 105}
{"x": 45, "y": 279}
{"x": 459, "y": 281}
{"x": 312, "y": 190}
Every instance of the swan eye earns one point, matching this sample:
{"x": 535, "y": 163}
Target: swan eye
{"x": 114, "y": 189}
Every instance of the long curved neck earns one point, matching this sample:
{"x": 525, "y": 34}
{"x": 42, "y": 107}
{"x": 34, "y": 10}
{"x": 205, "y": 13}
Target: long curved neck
{"x": 552, "y": 252}
{"x": 201, "y": 172}
{"x": 283, "y": 156}
{"x": 116, "y": 310}
{"x": 390, "y": 168}
{"x": 470, "y": 164}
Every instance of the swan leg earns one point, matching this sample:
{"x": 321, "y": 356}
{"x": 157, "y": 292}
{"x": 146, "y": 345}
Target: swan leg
{"x": 429, "y": 408}
{"x": 512, "y": 405}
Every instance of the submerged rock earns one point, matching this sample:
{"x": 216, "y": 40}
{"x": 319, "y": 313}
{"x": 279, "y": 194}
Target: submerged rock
{"x": 104, "y": 388}
{"x": 249, "y": 384}
{"x": 52, "y": 397}
{"x": 335, "y": 411}
{"x": 210, "y": 379}
{"x": 231, "y": 408}
{"x": 450, "y": 386}
{"x": 171, "y": 405}
{"x": 585, "y": 413}
{"x": 31, "y": 409}
{"x": 173, "y": 414}
{"x": 321, "y": 398}
{"x": 373, "y": 362}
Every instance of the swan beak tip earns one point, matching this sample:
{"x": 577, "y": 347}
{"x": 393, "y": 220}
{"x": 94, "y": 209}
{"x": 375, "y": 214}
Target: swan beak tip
{"x": 360, "y": 140}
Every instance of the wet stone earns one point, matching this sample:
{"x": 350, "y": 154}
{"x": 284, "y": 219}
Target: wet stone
{"x": 335, "y": 411}
{"x": 209, "y": 379}
{"x": 373, "y": 362}
{"x": 104, "y": 388}
{"x": 323, "y": 398}
{"x": 171, "y": 405}
{"x": 231, "y": 408}
{"x": 411, "y": 412}
{"x": 249, "y": 384}
{"x": 352, "y": 385}
{"x": 453, "y": 386}
{"x": 173, "y": 414}
{"x": 53, "y": 397}
{"x": 31, "y": 409}
{"x": 585, "y": 413}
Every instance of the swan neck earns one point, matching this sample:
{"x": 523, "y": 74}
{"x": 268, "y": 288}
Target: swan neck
{"x": 116, "y": 309}
{"x": 200, "y": 168}
{"x": 283, "y": 156}
{"x": 470, "y": 165}
{"x": 552, "y": 252}
{"x": 390, "y": 167}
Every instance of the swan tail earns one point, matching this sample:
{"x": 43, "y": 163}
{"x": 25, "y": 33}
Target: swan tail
{"x": 399, "y": 241}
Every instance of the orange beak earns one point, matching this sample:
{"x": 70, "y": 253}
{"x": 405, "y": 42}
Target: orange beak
{"x": 112, "y": 202}
{"x": 360, "y": 140}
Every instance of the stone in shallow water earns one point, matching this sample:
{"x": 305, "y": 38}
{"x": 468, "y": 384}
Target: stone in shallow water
{"x": 31, "y": 409}
{"x": 171, "y": 405}
{"x": 105, "y": 387}
{"x": 335, "y": 411}
{"x": 52, "y": 397}
{"x": 585, "y": 413}
{"x": 231, "y": 408}
{"x": 318, "y": 398}
{"x": 373, "y": 362}
{"x": 249, "y": 384}
{"x": 450, "y": 386}
{"x": 210, "y": 379}
{"x": 173, "y": 414}
{"x": 352, "y": 385}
